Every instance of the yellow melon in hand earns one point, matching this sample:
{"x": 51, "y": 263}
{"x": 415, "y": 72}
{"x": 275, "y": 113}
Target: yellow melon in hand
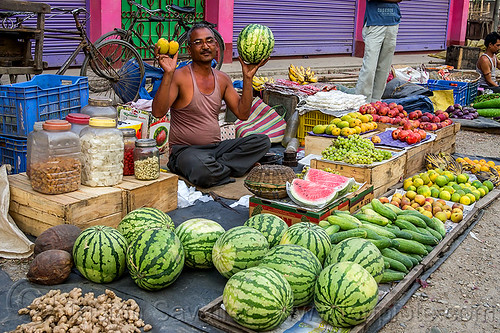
{"x": 173, "y": 47}
{"x": 163, "y": 45}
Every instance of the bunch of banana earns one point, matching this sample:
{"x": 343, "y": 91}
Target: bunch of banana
{"x": 301, "y": 75}
{"x": 259, "y": 81}
{"x": 443, "y": 161}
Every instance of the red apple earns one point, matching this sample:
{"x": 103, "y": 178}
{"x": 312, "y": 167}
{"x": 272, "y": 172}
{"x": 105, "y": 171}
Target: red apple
{"x": 413, "y": 115}
{"x": 419, "y": 113}
{"x": 403, "y": 135}
{"x": 412, "y": 138}
{"x": 422, "y": 134}
{"x": 436, "y": 119}
{"x": 383, "y": 110}
{"x": 398, "y": 120}
{"x": 363, "y": 109}
{"x": 416, "y": 123}
{"x": 393, "y": 105}
{"x": 400, "y": 107}
{"x": 425, "y": 119}
{"x": 395, "y": 134}
{"x": 375, "y": 117}
{"x": 434, "y": 126}
{"x": 428, "y": 127}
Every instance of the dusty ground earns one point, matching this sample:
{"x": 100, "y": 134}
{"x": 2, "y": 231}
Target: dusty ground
{"x": 463, "y": 294}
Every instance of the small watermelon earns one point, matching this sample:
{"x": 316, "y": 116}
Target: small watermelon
{"x": 311, "y": 236}
{"x": 360, "y": 251}
{"x": 155, "y": 258}
{"x": 271, "y": 226}
{"x": 99, "y": 254}
{"x": 345, "y": 294}
{"x": 141, "y": 219}
{"x": 198, "y": 237}
{"x": 310, "y": 194}
{"x": 299, "y": 266}
{"x": 258, "y": 298}
{"x": 255, "y": 43}
{"x": 237, "y": 249}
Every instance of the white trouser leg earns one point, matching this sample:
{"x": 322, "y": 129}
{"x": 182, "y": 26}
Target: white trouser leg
{"x": 385, "y": 61}
{"x": 373, "y": 37}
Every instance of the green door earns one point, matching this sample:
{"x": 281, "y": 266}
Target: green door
{"x": 151, "y": 32}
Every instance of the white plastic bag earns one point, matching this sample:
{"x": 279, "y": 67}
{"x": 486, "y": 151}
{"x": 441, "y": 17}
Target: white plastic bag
{"x": 411, "y": 74}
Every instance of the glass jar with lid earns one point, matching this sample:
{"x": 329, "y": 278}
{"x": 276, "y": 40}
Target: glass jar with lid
{"x": 100, "y": 106}
{"x": 78, "y": 122}
{"x": 129, "y": 139}
{"x": 146, "y": 159}
{"x": 55, "y": 165}
{"x": 102, "y": 153}
{"x": 30, "y": 142}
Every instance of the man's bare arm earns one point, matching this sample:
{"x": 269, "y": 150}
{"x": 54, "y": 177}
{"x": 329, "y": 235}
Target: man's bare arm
{"x": 168, "y": 91}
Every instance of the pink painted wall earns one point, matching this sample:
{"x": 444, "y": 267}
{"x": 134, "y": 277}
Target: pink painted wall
{"x": 220, "y": 12}
{"x": 105, "y": 16}
{"x": 457, "y": 22}
{"x": 359, "y": 45}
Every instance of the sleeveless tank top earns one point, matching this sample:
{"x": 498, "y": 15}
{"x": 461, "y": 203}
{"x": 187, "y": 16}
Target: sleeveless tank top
{"x": 482, "y": 80}
{"x": 198, "y": 122}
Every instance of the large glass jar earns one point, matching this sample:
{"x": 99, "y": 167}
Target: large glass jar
{"x": 102, "y": 153}
{"x": 55, "y": 166}
{"x": 37, "y": 126}
{"x": 78, "y": 122}
{"x": 100, "y": 106}
{"x": 146, "y": 159}
{"x": 129, "y": 140}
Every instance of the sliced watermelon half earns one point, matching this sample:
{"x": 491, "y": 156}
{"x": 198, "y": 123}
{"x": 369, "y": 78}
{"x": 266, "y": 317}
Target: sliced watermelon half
{"x": 307, "y": 193}
{"x": 341, "y": 184}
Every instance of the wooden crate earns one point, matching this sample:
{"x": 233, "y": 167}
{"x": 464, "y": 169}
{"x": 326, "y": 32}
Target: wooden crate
{"x": 160, "y": 193}
{"x": 415, "y": 158}
{"x": 381, "y": 176}
{"x": 316, "y": 144}
{"x": 34, "y": 212}
{"x": 445, "y": 139}
{"x": 462, "y": 57}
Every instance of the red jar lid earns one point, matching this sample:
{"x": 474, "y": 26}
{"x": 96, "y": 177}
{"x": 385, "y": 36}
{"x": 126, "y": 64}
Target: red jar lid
{"x": 56, "y": 125}
{"x": 78, "y": 118}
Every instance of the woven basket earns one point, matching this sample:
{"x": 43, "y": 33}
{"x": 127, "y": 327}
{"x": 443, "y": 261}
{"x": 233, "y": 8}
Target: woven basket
{"x": 269, "y": 181}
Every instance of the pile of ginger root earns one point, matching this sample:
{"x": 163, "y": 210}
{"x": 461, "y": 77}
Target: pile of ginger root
{"x": 57, "y": 312}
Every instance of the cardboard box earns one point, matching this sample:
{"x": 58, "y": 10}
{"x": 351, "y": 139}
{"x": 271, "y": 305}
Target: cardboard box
{"x": 291, "y": 213}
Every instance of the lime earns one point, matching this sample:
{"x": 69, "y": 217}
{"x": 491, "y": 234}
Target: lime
{"x": 488, "y": 184}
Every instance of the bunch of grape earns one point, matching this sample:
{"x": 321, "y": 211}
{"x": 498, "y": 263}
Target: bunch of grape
{"x": 354, "y": 150}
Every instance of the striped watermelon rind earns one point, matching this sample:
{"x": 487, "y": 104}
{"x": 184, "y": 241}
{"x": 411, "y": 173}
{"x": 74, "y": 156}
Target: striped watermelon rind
{"x": 258, "y": 298}
{"x": 237, "y": 249}
{"x": 311, "y": 236}
{"x": 255, "y": 43}
{"x": 299, "y": 266}
{"x": 155, "y": 259}
{"x": 142, "y": 219}
{"x": 360, "y": 251}
{"x": 345, "y": 294}
{"x": 271, "y": 226}
{"x": 198, "y": 237}
{"x": 99, "y": 254}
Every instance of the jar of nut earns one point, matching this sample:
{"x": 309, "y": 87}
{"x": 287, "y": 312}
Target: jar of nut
{"x": 129, "y": 139}
{"x": 102, "y": 153}
{"x": 55, "y": 165}
{"x": 146, "y": 159}
{"x": 37, "y": 126}
{"x": 100, "y": 106}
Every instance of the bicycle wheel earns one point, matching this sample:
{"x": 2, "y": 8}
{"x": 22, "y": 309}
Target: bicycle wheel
{"x": 114, "y": 69}
{"x": 184, "y": 55}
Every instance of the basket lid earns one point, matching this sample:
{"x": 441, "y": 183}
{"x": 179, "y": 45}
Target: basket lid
{"x": 272, "y": 174}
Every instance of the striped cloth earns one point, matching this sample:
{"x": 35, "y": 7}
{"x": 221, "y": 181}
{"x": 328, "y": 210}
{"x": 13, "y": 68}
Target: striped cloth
{"x": 263, "y": 120}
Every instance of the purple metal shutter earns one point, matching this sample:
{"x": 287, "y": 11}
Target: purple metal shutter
{"x": 306, "y": 27}
{"x": 56, "y": 51}
{"x": 423, "y": 25}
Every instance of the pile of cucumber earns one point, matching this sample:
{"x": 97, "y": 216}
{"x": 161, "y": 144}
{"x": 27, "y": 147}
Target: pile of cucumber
{"x": 404, "y": 237}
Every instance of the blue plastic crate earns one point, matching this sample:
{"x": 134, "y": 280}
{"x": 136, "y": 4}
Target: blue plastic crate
{"x": 460, "y": 89}
{"x": 46, "y": 96}
{"x": 13, "y": 151}
{"x": 472, "y": 91}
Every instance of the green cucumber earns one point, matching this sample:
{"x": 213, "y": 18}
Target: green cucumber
{"x": 392, "y": 227}
{"x": 428, "y": 247}
{"x": 405, "y": 225}
{"x": 342, "y": 222}
{"x": 379, "y": 230}
{"x": 386, "y": 265}
{"x": 370, "y": 234}
{"x": 392, "y": 276}
{"x": 426, "y": 219}
{"x": 383, "y": 210}
{"x": 424, "y": 231}
{"x": 389, "y": 253}
{"x": 394, "y": 264}
{"x": 395, "y": 209}
{"x": 415, "y": 220}
{"x": 370, "y": 211}
{"x": 422, "y": 238}
{"x": 353, "y": 233}
{"x": 375, "y": 219}
{"x": 437, "y": 225}
{"x": 415, "y": 256}
{"x": 410, "y": 246}
{"x": 381, "y": 243}
{"x": 343, "y": 212}
{"x": 434, "y": 233}
{"x": 332, "y": 229}
{"x": 324, "y": 223}
{"x": 402, "y": 234}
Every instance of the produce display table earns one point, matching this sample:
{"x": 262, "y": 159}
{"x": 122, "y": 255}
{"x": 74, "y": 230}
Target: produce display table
{"x": 35, "y": 212}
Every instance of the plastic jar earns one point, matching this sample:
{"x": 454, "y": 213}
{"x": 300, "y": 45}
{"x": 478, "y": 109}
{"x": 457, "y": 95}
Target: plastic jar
{"x": 78, "y": 122}
{"x": 100, "y": 106}
{"x": 102, "y": 153}
{"x": 146, "y": 159}
{"x": 30, "y": 142}
{"x": 55, "y": 165}
{"x": 129, "y": 140}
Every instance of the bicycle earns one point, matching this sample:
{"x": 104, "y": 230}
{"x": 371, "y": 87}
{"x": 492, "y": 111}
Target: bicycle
{"x": 113, "y": 67}
{"x": 184, "y": 18}
{"x": 11, "y": 20}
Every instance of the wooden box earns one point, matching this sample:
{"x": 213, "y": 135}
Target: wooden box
{"x": 462, "y": 57}
{"x": 316, "y": 144}
{"x": 160, "y": 193}
{"x": 415, "y": 158}
{"x": 35, "y": 212}
{"x": 445, "y": 139}
{"x": 381, "y": 175}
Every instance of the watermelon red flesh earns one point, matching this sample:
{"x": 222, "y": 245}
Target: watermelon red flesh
{"x": 326, "y": 178}
{"x": 307, "y": 193}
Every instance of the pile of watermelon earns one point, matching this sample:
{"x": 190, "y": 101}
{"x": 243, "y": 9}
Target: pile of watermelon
{"x": 318, "y": 188}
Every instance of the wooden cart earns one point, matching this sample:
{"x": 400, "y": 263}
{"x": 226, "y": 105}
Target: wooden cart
{"x": 15, "y": 43}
